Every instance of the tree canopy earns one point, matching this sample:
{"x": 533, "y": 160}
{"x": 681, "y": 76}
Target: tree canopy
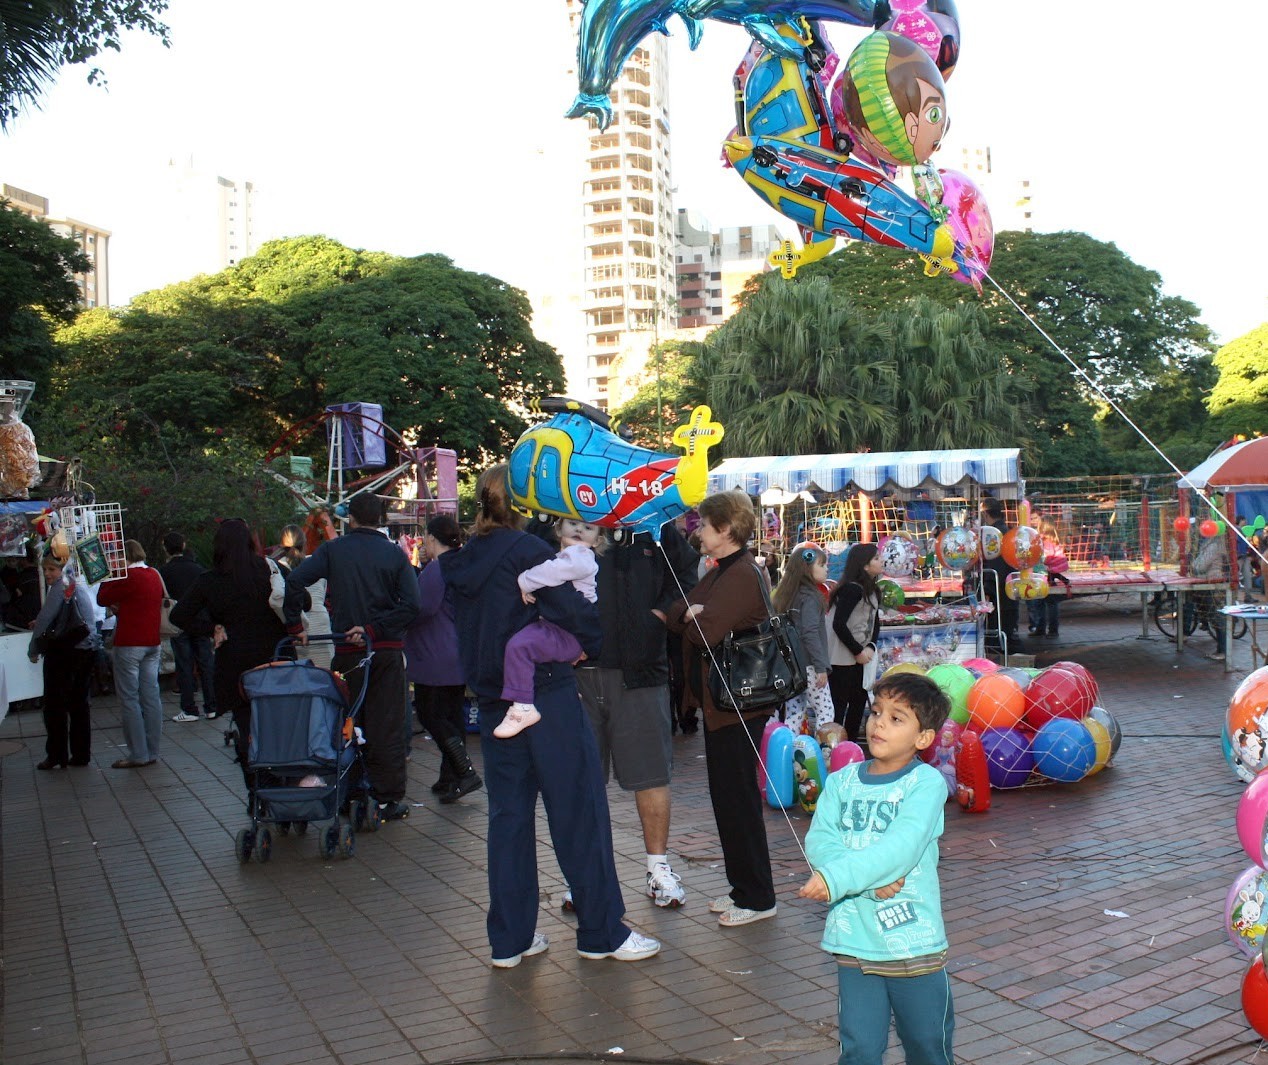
{"x": 37, "y": 290}
{"x": 39, "y": 37}
{"x": 1239, "y": 401}
{"x": 306, "y": 323}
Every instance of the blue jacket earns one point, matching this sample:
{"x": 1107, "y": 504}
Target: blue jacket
{"x": 369, "y": 582}
{"x": 488, "y": 609}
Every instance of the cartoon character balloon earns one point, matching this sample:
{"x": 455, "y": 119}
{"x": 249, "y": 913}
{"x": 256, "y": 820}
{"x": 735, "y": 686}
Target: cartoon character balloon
{"x": 899, "y": 556}
{"x": 574, "y": 466}
{"x": 957, "y": 547}
{"x": 932, "y": 24}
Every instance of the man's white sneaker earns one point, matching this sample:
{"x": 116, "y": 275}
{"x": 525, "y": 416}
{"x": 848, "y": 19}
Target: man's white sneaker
{"x": 720, "y": 905}
{"x": 664, "y": 887}
{"x": 518, "y": 717}
{"x": 539, "y": 944}
{"x": 635, "y": 948}
{"x": 182, "y": 716}
{"x": 734, "y": 916}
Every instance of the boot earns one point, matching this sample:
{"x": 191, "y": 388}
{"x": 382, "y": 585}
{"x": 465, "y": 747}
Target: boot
{"x": 455, "y": 752}
{"x": 447, "y": 779}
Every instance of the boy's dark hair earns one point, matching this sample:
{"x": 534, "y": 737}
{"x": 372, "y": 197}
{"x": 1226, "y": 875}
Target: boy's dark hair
{"x": 926, "y": 700}
{"x": 367, "y": 509}
{"x": 174, "y": 544}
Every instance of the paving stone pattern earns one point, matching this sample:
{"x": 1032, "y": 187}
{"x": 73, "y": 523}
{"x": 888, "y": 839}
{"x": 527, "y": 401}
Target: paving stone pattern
{"x": 132, "y": 936}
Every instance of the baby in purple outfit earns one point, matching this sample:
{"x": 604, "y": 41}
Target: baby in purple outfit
{"x": 540, "y": 640}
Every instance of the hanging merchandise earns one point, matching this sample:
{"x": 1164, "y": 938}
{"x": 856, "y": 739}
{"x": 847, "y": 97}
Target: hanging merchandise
{"x": 19, "y": 460}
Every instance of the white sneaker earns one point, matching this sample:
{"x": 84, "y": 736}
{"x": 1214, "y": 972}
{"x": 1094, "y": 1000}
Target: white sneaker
{"x": 182, "y": 716}
{"x": 539, "y": 944}
{"x": 664, "y": 887}
{"x": 720, "y": 905}
{"x": 635, "y": 948}
{"x": 517, "y": 719}
{"x": 734, "y": 916}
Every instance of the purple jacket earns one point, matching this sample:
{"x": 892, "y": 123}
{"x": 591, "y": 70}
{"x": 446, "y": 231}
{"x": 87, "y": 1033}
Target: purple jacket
{"x": 431, "y": 642}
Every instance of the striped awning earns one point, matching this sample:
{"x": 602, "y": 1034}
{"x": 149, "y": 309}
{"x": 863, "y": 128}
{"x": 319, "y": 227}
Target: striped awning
{"x": 1240, "y": 467}
{"x": 995, "y": 468}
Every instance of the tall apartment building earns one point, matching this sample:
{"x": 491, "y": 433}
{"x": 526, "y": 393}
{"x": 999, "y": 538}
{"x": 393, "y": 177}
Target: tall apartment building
{"x": 628, "y": 278}
{"x": 93, "y": 241}
{"x": 209, "y": 221}
{"x": 713, "y": 266}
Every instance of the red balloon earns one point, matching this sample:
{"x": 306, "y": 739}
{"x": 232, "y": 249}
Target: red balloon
{"x": 1086, "y": 679}
{"x": 1255, "y": 997}
{"x": 1056, "y": 693}
{"x": 1208, "y": 528}
{"x": 1182, "y": 524}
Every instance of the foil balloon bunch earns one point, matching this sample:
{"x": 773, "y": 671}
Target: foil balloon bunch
{"x": 819, "y": 140}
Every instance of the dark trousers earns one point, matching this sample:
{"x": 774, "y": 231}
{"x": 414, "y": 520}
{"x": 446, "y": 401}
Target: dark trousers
{"x": 849, "y": 698}
{"x": 922, "y": 1011}
{"x": 557, "y": 759}
{"x": 381, "y": 716}
{"x": 439, "y": 710}
{"x": 730, "y": 755}
{"x": 67, "y": 679}
{"x": 190, "y": 653}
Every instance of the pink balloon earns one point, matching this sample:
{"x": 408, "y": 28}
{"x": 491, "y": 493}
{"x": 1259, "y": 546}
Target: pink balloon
{"x": 845, "y": 753}
{"x": 980, "y": 665}
{"x": 971, "y": 225}
{"x": 1252, "y": 809}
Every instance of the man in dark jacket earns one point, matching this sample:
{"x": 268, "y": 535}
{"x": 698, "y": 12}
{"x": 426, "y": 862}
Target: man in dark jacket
{"x": 191, "y": 648}
{"x": 1004, "y": 637}
{"x": 372, "y": 595}
{"x": 626, "y": 690}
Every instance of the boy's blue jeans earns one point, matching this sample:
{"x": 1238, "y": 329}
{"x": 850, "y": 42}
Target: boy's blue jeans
{"x": 922, "y": 1011}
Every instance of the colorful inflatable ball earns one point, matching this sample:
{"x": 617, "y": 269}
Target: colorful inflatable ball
{"x": 1008, "y": 757}
{"x": 904, "y": 667}
{"x": 1231, "y": 757}
{"x": 1053, "y": 694}
{"x": 1247, "y": 720}
{"x": 992, "y": 542}
{"x": 957, "y": 548}
{"x": 980, "y": 666}
{"x": 1064, "y": 751}
{"x": 1244, "y": 918}
{"x": 955, "y": 682}
{"x": 995, "y": 701}
{"x": 1101, "y": 738}
{"x": 843, "y": 754}
{"x": 779, "y": 769}
{"x": 899, "y": 556}
{"x": 1252, "y": 809}
{"x": 1099, "y": 713}
{"x": 808, "y": 772}
{"x": 1255, "y": 997}
{"x": 1084, "y": 674}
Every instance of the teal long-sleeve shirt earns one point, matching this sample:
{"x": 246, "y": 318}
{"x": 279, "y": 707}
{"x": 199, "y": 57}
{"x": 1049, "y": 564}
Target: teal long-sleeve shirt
{"x": 868, "y": 831}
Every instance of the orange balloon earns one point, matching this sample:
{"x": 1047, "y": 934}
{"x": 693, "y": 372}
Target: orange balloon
{"x": 1248, "y": 709}
{"x": 1023, "y": 547}
{"x": 996, "y": 701}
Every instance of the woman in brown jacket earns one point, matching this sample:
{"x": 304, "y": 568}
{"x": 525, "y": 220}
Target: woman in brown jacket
{"x": 729, "y": 598}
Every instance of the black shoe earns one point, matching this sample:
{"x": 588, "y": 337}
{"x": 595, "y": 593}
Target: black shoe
{"x": 393, "y": 811}
{"x": 49, "y": 763}
{"x": 469, "y": 783}
{"x": 78, "y": 762}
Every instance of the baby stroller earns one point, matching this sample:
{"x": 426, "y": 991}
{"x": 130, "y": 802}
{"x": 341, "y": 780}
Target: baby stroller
{"x": 303, "y": 758}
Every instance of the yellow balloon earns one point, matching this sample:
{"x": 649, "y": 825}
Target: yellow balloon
{"x": 904, "y": 667}
{"x": 1101, "y": 737}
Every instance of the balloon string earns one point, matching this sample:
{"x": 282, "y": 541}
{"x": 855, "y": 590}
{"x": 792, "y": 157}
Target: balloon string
{"x": 731, "y": 695}
{"x": 1119, "y": 410}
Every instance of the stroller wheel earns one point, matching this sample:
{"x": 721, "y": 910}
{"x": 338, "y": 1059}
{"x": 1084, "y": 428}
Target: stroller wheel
{"x": 347, "y": 840}
{"x": 358, "y": 811}
{"x": 301, "y": 828}
{"x": 328, "y": 841}
{"x": 264, "y": 846}
{"x": 284, "y": 827}
{"x": 244, "y": 844}
{"x": 371, "y": 819}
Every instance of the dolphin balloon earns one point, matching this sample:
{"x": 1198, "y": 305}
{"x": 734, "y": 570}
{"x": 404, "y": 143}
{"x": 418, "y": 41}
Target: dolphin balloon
{"x": 776, "y": 23}
{"x": 610, "y": 31}
{"x": 573, "y": 466}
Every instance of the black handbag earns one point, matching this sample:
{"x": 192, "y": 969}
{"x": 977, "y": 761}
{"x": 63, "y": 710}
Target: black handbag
{"x": 758, "y": 668}
{"x": 65, "y": 630}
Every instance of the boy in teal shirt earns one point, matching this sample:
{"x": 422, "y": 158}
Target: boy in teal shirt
{"x": 874, "y": 847}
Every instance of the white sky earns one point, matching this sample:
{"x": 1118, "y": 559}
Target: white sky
{"x": 412, "y": 126}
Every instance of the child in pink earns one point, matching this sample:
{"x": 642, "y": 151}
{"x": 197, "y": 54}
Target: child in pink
{"x": 540, "y": 640}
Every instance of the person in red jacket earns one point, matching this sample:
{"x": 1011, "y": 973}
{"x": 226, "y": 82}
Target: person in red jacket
{"x": 137, "y": 602}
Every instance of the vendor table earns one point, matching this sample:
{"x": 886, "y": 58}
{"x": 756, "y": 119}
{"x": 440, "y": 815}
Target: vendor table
{"x": 1254, "y": 614}
{"x": 20, "y": 678}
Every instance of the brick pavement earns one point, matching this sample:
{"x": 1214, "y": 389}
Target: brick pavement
{"x": 131, "y": 935}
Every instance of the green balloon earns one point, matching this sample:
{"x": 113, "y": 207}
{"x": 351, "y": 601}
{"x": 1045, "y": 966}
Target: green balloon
{"x": 1248, "y": 531}
{"x": 955, "y": 682}
{"x": 1260, "y": 522}
{"x": 1220, "y": 528}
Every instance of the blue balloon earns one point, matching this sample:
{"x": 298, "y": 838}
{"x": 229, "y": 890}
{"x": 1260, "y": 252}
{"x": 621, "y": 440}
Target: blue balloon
{"x": 610, "y": 31}
{"x": 1064, "y": 750}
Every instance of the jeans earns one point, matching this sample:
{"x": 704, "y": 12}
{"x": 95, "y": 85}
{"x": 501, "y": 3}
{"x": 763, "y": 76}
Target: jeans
{"x": 136, "y": 671}
{"x": 190, "y": 651}
{"x": 921, "y": 1008}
